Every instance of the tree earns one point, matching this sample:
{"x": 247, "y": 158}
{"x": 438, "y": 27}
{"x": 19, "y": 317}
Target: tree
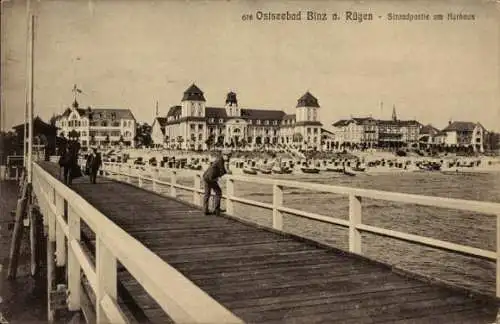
{"x": 53, "y": 119}
{"x": 143, "y": 135}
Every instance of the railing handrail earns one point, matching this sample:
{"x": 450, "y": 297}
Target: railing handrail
{"x": 354, "y": 223}
{"x": 173, "y": 292}
{"x": 486, "y": 207}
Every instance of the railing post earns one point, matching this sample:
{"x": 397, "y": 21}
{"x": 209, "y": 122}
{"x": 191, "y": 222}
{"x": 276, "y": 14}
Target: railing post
{"x": 52, "y": 218}
{"x": 60, "y": 238}
{"x": 498, "y": 257}
{"x": 354, "y": 220}
{"x": 139, "y": 179}
{"x": 277, "y": 202}
{"x": 106, "y": 278}
{"x": 129, "y": 180}
{"x": 74, "y": 269}
{"x": 173, "y": 182}
{"x": 230, "y": 195}
{"x": 155, "y": 176}
{"x": 197, "y": 187}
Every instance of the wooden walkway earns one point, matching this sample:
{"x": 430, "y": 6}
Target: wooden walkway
{"x": 266, "y": 277}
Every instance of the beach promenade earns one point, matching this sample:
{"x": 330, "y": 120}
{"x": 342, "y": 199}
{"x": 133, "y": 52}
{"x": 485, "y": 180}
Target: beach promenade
{"x": 170, "y": 258}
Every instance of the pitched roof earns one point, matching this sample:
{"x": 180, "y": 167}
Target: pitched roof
{"x": 253, "y": 114}
{"x": 341, "y": 123}
{"x": 193, "y": 93}
{"x": 307, "y": 100}
{"x": 363, "y": 120}
{"x": 289, "y": 117}
{"x": 326, "y": 131}
{"x": 108, "y": 113}
{"x": 174, "y": 111}
{"x": 215, "y": 112}
{"x": 429, "y": 129}
{"x": 460, "y": 126}
{"x": 262, "y": 114}
{"x": 102, "y": 113}
{"x": 39, "y": 127}
{"x": 398, "y": 122}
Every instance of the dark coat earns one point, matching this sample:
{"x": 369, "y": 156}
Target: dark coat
{"x": 215, "y": 170}
{"x": 94, "y": 162}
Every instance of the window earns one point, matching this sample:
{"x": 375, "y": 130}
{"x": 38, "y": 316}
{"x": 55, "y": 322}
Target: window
{"x": 211, "y": 120}
{"x": 200, "y": 137}
{"x": 200, "y": 127}
{"x": 266, "y": 122}
{"x": 192, "y": 109}
{"x": 192, "y": 127}
{"x": 258, "y": 122}
{"x": 221, "y": 120}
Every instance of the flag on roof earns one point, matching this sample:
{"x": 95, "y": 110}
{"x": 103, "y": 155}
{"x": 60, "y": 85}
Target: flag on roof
{"x": 75, "y": 89}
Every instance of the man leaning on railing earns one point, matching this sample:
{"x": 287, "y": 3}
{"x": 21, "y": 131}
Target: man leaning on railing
{"x": 211, "y": 176}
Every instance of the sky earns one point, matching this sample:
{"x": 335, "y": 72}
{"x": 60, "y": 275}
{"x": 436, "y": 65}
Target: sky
{"x": 130, "y": 54}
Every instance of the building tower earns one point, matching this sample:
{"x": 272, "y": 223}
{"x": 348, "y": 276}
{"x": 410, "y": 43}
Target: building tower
{"x": 193, "y": 102}
{"x": 394, "y": 116}
{"x": 307, "y": 108}
{"x": 307, "y": 121}
{"x": 232, "y": 109}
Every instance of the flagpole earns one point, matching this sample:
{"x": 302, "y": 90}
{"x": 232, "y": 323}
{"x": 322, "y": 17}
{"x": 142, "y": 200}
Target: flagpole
{"x": 26, "y": 92}
{"x": 31, "y": 97}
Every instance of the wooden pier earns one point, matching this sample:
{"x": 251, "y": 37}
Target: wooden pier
{"x": 222, "y": 270}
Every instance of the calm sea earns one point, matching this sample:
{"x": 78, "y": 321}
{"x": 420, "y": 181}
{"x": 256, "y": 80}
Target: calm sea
{"x": 450, "y": 225}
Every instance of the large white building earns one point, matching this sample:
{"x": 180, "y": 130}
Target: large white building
{"x": 193, "y": 125}
{"x": 465, "y": 134}
{"x": 97, "y": 126}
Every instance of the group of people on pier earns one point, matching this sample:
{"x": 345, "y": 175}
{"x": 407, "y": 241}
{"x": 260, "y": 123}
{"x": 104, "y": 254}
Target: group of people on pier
{"x": 68, "y": 162}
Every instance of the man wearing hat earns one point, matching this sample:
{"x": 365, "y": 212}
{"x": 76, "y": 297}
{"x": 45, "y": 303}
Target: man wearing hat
{"x": 216, "y": 170}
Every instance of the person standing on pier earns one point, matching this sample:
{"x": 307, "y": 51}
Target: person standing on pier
{"x": 94, "y": 163}
{"x": 69, "y": 162}
{"x": 210, "y": 178}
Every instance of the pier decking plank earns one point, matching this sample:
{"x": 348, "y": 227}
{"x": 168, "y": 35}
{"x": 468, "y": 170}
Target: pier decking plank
{"x": 265, "y": 277}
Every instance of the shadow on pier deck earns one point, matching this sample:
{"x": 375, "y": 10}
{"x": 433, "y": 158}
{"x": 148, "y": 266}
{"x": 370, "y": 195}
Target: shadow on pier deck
{"x": 267, "y": 277}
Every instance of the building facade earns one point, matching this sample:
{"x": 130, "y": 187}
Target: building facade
{"x": 465, "y": 134}
{"x": 97, "y": 126}
{"x": 429, "y": 136}
{"x": 370, "y": 133}
{"x": 193, "y": 125}
{"x": 356, "y": 132}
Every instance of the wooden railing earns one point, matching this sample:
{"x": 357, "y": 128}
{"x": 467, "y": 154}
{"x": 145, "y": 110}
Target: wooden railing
{"x": 177, "y": 296}
{"x": 354, "y": 224}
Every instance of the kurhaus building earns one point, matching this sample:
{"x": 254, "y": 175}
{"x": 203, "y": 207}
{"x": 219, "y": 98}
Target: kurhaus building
{"x": 193, "y": 125}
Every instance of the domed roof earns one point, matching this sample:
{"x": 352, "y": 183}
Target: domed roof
{"x": 307, "y": 100}
{"x": 231, "y": 98}
{"x": 193, "y": 93}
